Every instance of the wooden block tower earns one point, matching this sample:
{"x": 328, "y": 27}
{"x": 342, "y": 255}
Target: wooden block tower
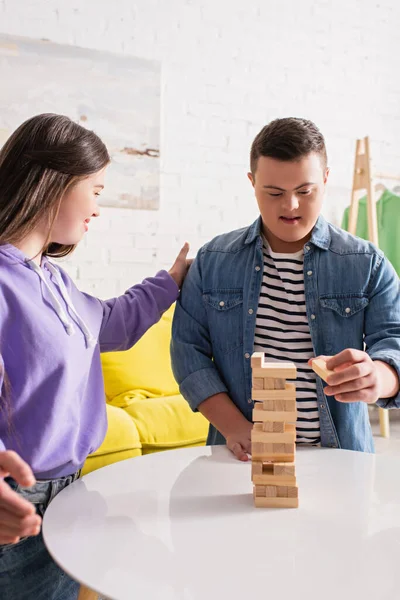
{"x": 273, "y": 439}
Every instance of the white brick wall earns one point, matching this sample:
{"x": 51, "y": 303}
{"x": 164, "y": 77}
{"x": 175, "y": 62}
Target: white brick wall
{"x": 229, "y": 66}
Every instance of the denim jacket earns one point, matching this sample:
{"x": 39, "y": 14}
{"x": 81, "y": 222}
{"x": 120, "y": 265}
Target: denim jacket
{"x": 352, "y": 299}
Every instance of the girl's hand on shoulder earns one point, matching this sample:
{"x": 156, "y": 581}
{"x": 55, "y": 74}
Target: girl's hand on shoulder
{"x": 17, "y": 516}
{"x": 181, "y": 266}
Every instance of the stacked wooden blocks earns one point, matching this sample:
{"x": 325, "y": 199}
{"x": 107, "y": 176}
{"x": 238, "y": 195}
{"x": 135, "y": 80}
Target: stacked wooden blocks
{"x": 273, "y": 438}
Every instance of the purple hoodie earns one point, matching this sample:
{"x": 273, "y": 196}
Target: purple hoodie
{"x": 53, "y": 411}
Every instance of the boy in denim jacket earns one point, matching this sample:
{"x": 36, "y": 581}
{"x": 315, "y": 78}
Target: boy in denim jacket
{"x": 293, "y": 286}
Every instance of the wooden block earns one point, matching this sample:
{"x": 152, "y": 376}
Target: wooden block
{"x": 261, "y": 415}
{"x": 87, "y": 594}
{"x": 293, "y": 491}
{"x": 265, "y": 479}
{"x": 268, "y": 405}
{"x": 268, "y": 426}
{"x": 284, "y": 470}
{"x": 257, "y": 360}
{"x": 288, "y": 435}
{"x": 279, "y": 448}
{"x": 269, "y": 384}
{"x": 275, "y": 370}
{"x": 319, "y": 366}
{"x": 273, "y": 427}
{"x": 258, "y": 383}
{"x": 288, "y": 393}
{"x": 270, "y": 452}
{"x": 279, "y": 384}
{"x": 280, "y": 405}
{"x": 256, "y": 468}
{"x": 259, "y": 491}
{"x": 290, "y": 405}
{"x": 276, "y": 502}
{"x": 282, "y": 491}
{"x": 265, "y": 491}
{"x": 290, "y": 448}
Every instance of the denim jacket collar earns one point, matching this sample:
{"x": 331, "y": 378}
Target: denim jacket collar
{"x": 320, "y": 236}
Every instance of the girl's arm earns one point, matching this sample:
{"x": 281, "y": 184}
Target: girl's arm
{"x": 128, "y": 317}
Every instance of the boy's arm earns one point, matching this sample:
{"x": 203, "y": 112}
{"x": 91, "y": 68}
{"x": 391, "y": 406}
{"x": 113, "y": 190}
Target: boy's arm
{"x": 195, "y": 370}
{"x": 372, "y": 376}
{"x": 191, "y": 348}
{"x": 382, "y": 331}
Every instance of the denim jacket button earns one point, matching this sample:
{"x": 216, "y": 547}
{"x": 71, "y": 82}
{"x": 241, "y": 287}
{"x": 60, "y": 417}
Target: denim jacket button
{"x": 347, "y": 310}
{"x": 251, "y": 311}
{"x": 222, "y": 303}
{"x": 309, "y": 273}
{"x": 250, "y": 401}
{"x": 307, "y": 248}
{"x": 247, "y": 355}
{"x": 258, "y": 268}
{"x": 313, "y": 317}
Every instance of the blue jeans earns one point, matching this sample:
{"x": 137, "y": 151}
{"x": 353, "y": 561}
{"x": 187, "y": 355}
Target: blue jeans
{"x": 27, "y": 571}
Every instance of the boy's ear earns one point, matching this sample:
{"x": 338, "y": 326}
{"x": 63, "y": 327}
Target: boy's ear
{"x": 327, "y": 171}
{"x": 252, "y": 180}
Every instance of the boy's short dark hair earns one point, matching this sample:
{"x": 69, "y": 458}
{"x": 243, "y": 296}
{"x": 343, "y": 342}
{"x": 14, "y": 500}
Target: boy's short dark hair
{"x": 288, "y": 139}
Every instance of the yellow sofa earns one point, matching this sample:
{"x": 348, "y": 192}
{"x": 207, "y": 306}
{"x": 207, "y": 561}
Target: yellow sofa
{"x": 145, "y": 411}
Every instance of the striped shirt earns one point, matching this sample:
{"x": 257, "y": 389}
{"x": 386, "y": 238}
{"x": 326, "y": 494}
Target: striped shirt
{"x": 283, "y": 334}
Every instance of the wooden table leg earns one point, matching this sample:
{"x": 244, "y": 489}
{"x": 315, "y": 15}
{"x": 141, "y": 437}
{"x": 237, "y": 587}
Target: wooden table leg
{"x": 384, "y": 422}
{"x": 86, "y": 594}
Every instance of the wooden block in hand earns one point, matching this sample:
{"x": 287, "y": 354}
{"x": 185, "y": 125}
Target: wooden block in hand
{"x": 319, "y": 366}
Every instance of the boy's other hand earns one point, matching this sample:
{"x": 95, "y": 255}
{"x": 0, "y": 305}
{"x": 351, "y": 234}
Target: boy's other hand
{"x": 239, "y": 441}
{"x": 179, "y": 269}
{"x": 357, "y": 377}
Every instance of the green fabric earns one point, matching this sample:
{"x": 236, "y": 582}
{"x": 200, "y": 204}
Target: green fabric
{"x": 388, "y": 217}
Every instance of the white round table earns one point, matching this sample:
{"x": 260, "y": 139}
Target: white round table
{"x": 181, "y": 525}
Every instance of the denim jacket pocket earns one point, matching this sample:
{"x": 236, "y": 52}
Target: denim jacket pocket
{"x": 225, "y": 317}
{"x": 338, "y": 331}
{"x": 345, "y": 305}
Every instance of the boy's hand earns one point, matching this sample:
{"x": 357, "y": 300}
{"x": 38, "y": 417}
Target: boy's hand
{"x": 17, "y": 516}
{"x": 181, "y": 266}
{"x": 239, "y": 441}
{"x": 357, "y": 377}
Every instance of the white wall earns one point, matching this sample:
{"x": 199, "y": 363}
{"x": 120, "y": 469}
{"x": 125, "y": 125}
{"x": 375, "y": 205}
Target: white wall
{"x": 229, "y": 66}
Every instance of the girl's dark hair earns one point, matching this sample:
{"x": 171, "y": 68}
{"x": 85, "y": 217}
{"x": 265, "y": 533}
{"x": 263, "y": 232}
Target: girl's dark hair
{"x": 41, "y": 160}
{"x": 288, "y": 139}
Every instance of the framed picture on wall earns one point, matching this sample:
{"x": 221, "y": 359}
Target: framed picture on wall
{"x": 117, "y": 96}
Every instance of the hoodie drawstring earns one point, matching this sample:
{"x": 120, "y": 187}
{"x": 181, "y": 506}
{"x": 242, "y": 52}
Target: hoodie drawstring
{"x": 62, "y": 314}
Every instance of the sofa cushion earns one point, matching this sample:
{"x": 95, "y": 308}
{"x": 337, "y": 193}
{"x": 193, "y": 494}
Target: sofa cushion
{"x": 146, "y": 366}
{"x": 122, "y": 441}
{"x": 165, "y": 423}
